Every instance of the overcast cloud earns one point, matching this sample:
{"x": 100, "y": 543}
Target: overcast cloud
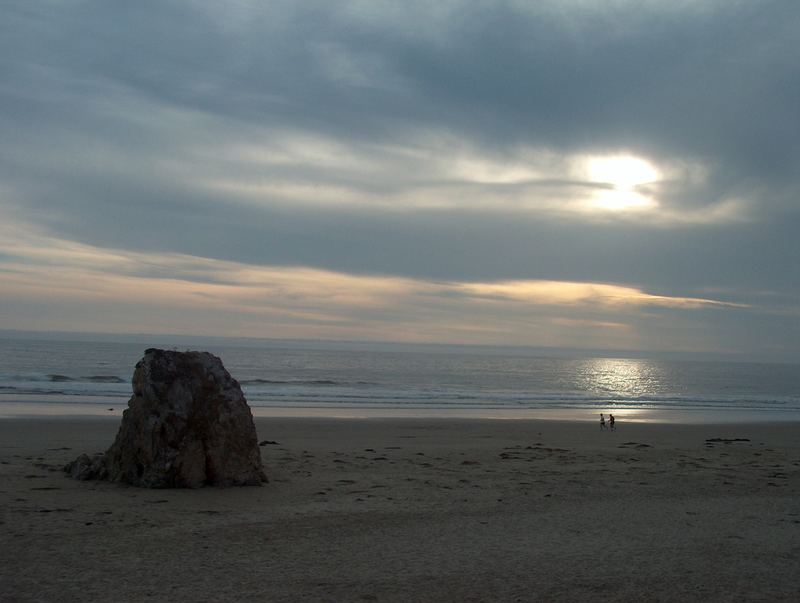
{"x": 453, "y": 165}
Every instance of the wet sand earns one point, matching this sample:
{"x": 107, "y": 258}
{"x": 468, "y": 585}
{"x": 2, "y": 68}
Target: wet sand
{"x": 416, "y": 510}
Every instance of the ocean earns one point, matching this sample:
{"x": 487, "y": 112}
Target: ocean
{"x": 470, "y": 382}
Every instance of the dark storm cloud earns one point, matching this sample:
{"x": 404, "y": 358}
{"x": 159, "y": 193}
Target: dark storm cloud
{"x": 710, "y": 79}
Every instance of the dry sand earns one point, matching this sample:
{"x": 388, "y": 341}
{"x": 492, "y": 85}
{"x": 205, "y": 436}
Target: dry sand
{"x": 416, "y": 510}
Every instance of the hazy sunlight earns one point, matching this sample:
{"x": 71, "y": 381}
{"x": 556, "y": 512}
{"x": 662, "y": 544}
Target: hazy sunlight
{"x": 624, "y": 174}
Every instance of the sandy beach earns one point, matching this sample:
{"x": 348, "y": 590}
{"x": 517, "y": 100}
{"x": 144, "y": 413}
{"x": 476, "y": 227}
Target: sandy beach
{"x": 416, "y": 510}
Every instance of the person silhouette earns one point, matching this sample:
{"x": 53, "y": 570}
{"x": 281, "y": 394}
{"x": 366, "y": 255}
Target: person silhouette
{"x": 611, "y": 421}
{"x": 602, "y": 421}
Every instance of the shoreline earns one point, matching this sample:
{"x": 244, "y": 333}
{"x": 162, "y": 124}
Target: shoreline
{"x": 33, "y": 407}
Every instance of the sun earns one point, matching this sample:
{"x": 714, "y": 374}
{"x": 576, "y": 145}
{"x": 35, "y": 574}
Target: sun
{"x": 622, "y": 177}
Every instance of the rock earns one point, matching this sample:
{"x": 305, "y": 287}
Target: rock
{"x": 85, "y": 467}
{"x": 187, "y": 425}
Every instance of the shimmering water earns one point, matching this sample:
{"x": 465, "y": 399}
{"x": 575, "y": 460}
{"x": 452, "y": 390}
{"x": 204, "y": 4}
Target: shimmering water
{"x": 329, "y": 380}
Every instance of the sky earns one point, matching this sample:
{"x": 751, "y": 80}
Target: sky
{"x": 621, "y": 174}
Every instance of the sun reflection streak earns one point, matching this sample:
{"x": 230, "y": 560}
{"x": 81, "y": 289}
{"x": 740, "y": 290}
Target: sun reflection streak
{"x": 629, "y": 379}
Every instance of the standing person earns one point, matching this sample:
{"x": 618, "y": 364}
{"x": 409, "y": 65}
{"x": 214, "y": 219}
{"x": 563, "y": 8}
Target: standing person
{"x": 602, "y": 421}
{"x": 611, "y": 421}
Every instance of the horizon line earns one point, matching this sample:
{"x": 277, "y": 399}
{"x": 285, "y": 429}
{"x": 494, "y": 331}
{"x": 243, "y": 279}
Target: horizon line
{"x": 251, "y": 341}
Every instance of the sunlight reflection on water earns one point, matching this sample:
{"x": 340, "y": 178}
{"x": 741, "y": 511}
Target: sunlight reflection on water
{"x": 623, "y": 376}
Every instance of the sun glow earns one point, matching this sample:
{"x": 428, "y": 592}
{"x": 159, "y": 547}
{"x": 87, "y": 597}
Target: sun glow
{"x": 623, "y": 178}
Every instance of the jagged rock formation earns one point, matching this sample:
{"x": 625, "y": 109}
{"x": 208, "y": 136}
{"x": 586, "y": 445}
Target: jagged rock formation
{"x": 187, "y": 425}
